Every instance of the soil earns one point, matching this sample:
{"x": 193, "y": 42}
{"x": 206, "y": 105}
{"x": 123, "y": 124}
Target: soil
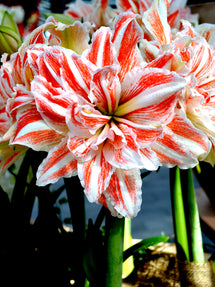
{"x": 158, "y": 267}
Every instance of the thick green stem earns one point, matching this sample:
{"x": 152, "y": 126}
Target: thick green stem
{"x": 192, "y": 217}
{"x": 178, "y": 213}
{"x": 114, "y": 251}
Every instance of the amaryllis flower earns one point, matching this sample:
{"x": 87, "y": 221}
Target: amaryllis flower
{"x": 199, "y": 59}
{"x": 108, "y": 110}
{"x": 17, "y": 102}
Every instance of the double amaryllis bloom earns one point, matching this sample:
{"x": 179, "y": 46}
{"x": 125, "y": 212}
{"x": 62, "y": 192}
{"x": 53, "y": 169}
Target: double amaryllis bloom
{"x": 137, "y": 97}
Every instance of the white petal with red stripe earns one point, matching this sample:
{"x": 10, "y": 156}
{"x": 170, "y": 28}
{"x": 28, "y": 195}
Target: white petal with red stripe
{"x": 32, "y": 131}
{"x": 127, "y": 34}
{"x": 52, "y": 103}
{"x": 124, "y": 195}
{"x": 105, "y": 89}
{"x": 102, "y": 51}
{"x": 156, "y": 24}
{"x": 59, "y": 163}
{"x": 182, "y": 144}
{"x": 149, "y": 95}
{"x": 95, "y": 175}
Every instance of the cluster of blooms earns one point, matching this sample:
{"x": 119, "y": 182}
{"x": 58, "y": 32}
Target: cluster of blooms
{"x": 116, "y": 91}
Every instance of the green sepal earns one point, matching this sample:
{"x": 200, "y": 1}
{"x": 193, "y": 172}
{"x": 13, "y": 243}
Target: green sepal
{"x": 65, "y": 19}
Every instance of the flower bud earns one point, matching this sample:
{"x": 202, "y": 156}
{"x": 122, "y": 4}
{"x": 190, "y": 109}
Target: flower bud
{"x": 10, "y": 39}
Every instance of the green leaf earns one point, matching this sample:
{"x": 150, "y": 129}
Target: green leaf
{"x": 144, "y": 244}
{"x": 65, "y": 19}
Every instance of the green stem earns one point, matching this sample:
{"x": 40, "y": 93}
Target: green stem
{"x": 114, "y": 251}
{"x": 192, "y": 216}
{"x": 178, "y": 213}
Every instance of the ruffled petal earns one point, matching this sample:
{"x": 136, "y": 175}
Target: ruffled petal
{"x": 76, "y": 73}
{"x": 127, "y": 34}
{"x": 150, "y": 159}
{"x": 7, "y": 82}
{"x": 22, "y": 98}
{"x": 5, "y": 122}
{"x": 135, "y": 6}
{"x": 46, "y": 62}
{"x": 81, "y": 148}
{"x": 156, "y": 24}
{"x": 105, "y": 89}
{"x": 102, "y": 51}
{"x": 134, "y": 137}
{"x": 59, "y": 163}
{"x": 95, "y": 175}
{"x": 182, "y": 144}
{"x": 144, "y": 134}
{"x": 52, "y": 103}
{"x": 31, "y": 131}
{"x": 124, "y": 195}
{"x": 149, "y": 95}
{"x": 202, "y": 115}
{"x": 37, "y": 37}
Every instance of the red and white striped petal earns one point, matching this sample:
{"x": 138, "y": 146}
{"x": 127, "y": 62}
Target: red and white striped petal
{"x": 182, "y": 144}
{"x": 102, "y": 51}
{"x": 202, "y": 61}
{"x": 126, "y": 5}
{"x": 92, "y": 118}
{"x": 7, "y": 82}
{"x": 80, "y": 9}
{"x": 32, "y": 131}
{"x": 59, "y": 163}
{"x": 150, "y": 159}
{"x": 207, "y": 31}
{"x": 52, "y": 103}
{"x": 149, "y": 95}
{"x": 163, "y": 61}
{"x": 202, "y": 115}
{"x": 82, "y": 148}
{"x": 149, "y": 50}
{"x": 84, "y": 120}
{"x": 22, "y": 98}
{"x": 8, "y": 155}
{"x": 128, "y": 155}
{"x": 135, "y": 6}
{"x": 46, "y": 62}
{"x": 124, "y": 195}
{"x": 156, "y": 24}
{"x": 5, "y": 121}
{"x": 36, "y": 37}
{"x": 95, "y": 175}
{"x": 76, "y": 73}
{"x": 127, "y": 34}
{"x": 105, "y": 89}
{"x": 74, "y": 122}
{"x": 145, "y": 135}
